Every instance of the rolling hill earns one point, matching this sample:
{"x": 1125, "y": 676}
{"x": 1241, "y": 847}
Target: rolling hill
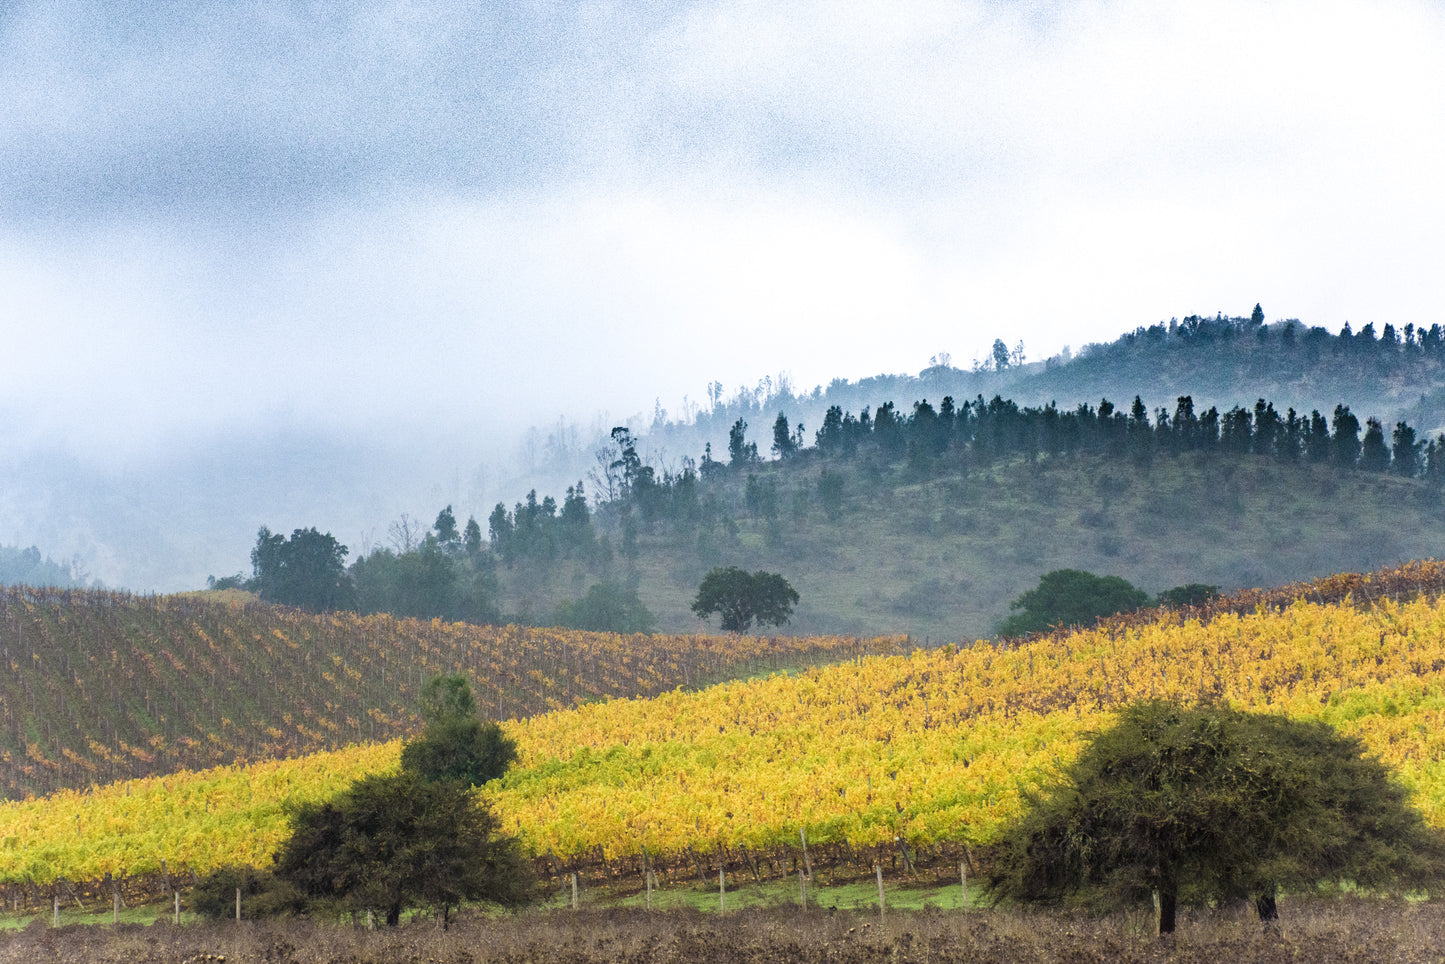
{"x": 99, "y": 686}
{"x": 877, "y": 758}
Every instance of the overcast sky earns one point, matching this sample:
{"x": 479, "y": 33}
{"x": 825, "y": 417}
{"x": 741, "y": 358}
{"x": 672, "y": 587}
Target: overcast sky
{"x": 373, "y": 216}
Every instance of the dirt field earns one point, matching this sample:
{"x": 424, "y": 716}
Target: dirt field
{"x": 1337, "y": 931}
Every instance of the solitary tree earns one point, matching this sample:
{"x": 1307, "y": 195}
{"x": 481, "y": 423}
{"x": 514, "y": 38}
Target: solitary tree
{"x": 393, "y": 841}
{"x": 741, "y": 597}
{"x": 1208, "y": 803}
{"x": 446, "y": 529}
{"x": 419, "y": 837}
{"x": 784, "y": 445}
{"x": 1070, "y": 597}
{"x": 1000, "y": 355}
{"x": 607, "y": 608}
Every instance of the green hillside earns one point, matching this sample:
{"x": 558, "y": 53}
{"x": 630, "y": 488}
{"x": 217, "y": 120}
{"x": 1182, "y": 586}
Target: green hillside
{"x": 941, "y": 557}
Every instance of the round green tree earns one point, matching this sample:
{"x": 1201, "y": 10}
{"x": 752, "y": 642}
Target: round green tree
{"x": 1206, "y": 803}
{"x": 1070, "y": 597}
{"x": 741, "y": 598}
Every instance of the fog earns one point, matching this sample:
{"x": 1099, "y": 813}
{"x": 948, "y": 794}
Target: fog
{"x": 309, "y": 264}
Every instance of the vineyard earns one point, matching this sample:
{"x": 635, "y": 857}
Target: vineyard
{"x": 877, "y": 758}
{"x": 99, "y": 686}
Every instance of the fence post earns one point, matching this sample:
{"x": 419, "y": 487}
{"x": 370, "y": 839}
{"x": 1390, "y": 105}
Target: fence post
{"x": 238, "y": 903}
{"x": 722, "y": 894}
{"x": 878, "y": 870}
{"x": 56, "y": 918}
{"x": 963, "y": 873}
{"x": 177, "y": 895}
{"x": 574, "y": 890}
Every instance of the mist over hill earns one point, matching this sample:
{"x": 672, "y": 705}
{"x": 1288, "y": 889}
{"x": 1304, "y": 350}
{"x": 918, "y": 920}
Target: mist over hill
{"x": 173, "y": 512}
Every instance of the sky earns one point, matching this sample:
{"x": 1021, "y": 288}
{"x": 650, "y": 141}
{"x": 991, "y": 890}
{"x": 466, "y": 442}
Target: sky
{"x": 375, "y": 220}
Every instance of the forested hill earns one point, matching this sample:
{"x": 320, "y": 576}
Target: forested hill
{"x": 1382, "y": 373}
{"x": 1218, "y": 451}
{"x": 931, "y": 520}
{"x": 1390, "y": 372}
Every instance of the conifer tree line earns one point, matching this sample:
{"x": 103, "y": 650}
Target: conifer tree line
{"x": 978, "y": 433}
{"x": 981, "y": 432}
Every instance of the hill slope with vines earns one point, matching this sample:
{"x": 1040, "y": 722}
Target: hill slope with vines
{"x": 877, "y": 758}
{"x": 99, "y": 686}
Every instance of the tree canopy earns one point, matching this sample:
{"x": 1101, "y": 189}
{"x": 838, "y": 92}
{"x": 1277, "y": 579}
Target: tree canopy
{"x": 607, "y": 608}
{"x": 420, "y": 837}
{"x": 457, "y": 744}
{"x": 741, "y": 598}
{"x": 1070, "y": 597}
{"x": 1206, "y": 803}
{"x": 307, "y": 570}
{"x": 392, "y": 841}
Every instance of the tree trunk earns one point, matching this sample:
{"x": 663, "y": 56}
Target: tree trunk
{"x": 1265, "y": 905}
{"x": 1168, "y": 902}
{"x": 393, "y": 915}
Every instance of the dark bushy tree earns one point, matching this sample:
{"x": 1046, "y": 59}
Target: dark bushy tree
{"x": 607, "y": 608}
{"x": 1374, "y": 453}
{"x": 1070, "y": 597}
{"x": 740, "y": 450}
{"x": 1211, "y": 804}
{"x": 447, "y": 533}
{"x": 785, "y": 446}
{"x": 456, "y": 745}
{"x": 1193, "y": 594}
{"x": 420, "y": 837}
{"x": 393, "y": 841}
{"x": 741, "y": 598}
{"x": 308, "y": 570}
{"x": 425, "y": 583}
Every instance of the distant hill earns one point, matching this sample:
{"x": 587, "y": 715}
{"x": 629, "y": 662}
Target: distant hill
{"x": 938, "y": 546}
{"x": 1390, "y": 373}
{"x": 941, "y": 557}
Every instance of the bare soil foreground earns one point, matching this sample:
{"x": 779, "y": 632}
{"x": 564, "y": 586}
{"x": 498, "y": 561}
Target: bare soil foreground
{"x": 1336, "y": 931}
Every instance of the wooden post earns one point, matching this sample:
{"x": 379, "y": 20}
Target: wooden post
{"x": 115, "y": 906}
{"x": 878, "y": 870}
{"x": 575, "y": 903}
{"x": 963, "y": 873}
{"x": 56, "y": 919}
{"x": 238, "y": 903}
{"x": 722, "y": 893}
{"x": 177, "y": 895}
{"x": 802, "y": 891}
{"x": 650, "y": 881}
